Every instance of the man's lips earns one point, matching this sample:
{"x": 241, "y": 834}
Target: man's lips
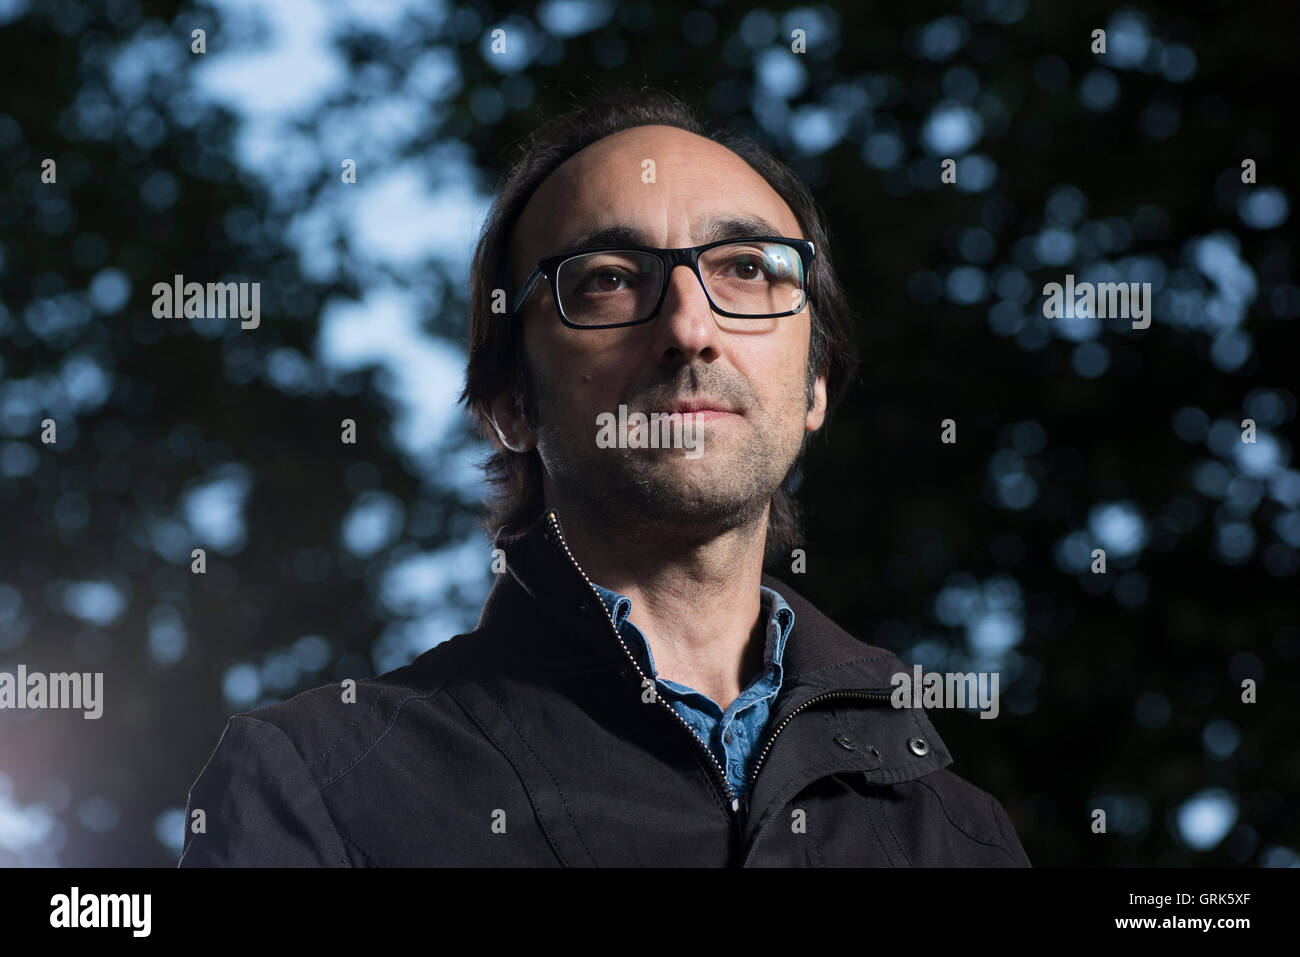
{"x": 705, "y": 415}
{"x": 701, "y": 408}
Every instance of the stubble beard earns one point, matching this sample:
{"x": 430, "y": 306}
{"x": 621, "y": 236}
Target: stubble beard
{"x": 659, "y": 494}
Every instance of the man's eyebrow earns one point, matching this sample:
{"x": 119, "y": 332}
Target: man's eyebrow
{"x": 715, "y": 230}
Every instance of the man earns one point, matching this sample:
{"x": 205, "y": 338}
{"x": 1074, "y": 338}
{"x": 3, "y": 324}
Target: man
{"x": 637, "y": 691}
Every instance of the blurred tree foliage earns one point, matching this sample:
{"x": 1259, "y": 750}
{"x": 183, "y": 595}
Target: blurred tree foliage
{"x": 1120, "y": 691}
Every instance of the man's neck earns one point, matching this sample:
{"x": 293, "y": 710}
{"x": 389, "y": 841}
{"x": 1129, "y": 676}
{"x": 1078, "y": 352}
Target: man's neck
{"x": 697, "y": 603}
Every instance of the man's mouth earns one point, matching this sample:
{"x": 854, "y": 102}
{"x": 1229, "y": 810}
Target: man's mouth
{"x": 701, "y": 409}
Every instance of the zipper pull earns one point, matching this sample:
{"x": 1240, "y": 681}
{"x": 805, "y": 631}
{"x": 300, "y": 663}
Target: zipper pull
{"x": 741, "y": 807}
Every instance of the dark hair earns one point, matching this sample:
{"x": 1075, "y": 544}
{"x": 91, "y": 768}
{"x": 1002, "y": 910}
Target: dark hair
{"x": 496, "y": 359}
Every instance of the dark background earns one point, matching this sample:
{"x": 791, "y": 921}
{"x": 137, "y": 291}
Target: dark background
{"x": 325, "y": 560}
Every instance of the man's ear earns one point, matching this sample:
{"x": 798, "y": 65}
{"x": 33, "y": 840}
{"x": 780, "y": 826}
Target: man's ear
{"x": 510, "y": 426}
{"x": 817, "y": 414}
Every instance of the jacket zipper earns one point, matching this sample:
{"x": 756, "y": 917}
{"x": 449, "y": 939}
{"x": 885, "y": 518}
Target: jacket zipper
{"x": 726, "y": 785}
{"x": 753, "y": 775}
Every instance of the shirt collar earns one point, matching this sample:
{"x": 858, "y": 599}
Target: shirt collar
{"x": 778, "y": 615}
{"x": 543, "y": 573}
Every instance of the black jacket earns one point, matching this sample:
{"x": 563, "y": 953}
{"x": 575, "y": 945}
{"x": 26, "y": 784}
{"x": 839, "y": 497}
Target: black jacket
{"x": 528, "y": 742}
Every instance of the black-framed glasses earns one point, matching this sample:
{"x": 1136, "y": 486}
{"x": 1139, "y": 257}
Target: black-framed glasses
{"x": 605, "y": 287}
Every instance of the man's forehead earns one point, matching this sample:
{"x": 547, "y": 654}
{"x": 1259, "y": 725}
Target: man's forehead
{"x": 600, "y": 196}
{"x": 607, "y": 231}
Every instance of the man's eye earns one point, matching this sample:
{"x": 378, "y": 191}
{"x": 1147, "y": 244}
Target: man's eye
{"x": 602, "y": 280}
{"x": 748, "y": 268}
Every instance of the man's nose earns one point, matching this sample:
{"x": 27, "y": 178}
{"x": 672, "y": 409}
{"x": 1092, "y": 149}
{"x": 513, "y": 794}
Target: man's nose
{"x": 685, "y": 322}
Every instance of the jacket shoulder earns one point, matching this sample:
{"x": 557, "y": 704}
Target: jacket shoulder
{"x": 976, "y": 813}
{"x": 236, "y": 811}
{"x": 272, "y": 763}
{"x": 332, "y": 726}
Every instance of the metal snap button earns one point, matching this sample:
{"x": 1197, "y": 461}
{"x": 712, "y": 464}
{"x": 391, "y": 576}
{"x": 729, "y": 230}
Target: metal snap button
{"x": 622, "y": 673}
{"x": 845, "y": 743}
{"x": 919, "y": 747}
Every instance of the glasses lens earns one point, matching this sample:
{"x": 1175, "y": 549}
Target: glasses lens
{"x": 746, "y": 277}
{"x": 755, "y": 278}
{"x": 597, "y": 289}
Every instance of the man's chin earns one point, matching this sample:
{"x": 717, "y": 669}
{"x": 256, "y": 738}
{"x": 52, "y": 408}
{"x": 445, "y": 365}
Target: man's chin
{"x": 680, "y": 494}
{"x": 675, "y": 473}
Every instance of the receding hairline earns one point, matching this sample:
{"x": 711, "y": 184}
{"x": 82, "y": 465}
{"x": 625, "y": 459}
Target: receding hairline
{"x": 513, "y": 240}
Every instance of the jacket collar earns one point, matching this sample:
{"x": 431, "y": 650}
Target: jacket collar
{"x": 859, "y": 734}
{"x": 819, "y": 655}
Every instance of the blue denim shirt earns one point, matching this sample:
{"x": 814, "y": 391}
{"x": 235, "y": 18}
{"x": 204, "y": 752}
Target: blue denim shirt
{"x": 733, "y": 735}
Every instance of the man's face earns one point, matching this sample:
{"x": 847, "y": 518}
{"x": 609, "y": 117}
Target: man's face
{"x": 757, "y": 369}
